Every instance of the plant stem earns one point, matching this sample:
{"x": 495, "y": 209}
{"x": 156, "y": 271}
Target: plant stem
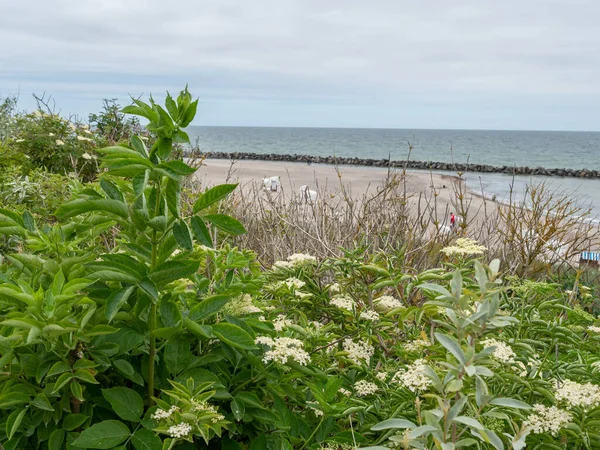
{"x": 313, "y": 433}
{"x": 152, "y": 318}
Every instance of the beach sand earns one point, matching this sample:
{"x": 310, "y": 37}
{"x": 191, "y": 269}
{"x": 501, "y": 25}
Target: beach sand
{"x": 358, "y": 182}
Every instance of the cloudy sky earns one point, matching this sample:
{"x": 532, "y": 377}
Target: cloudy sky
{"x": 486, "y": 64}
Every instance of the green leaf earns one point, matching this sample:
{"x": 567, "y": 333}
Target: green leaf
{"x": 57, "y": 438}
{"x": 127, "y": 403}
{"x": 238, "y": 409}
{"x": 469, "y": 421}
{"x": 149, "y": 287}
{"x": 111, "y": 189}
{"x": 182, "y": 234}
{"x": 115, "y": 301}
{"x": 58, "y": 368}
{"x": 233, "y": 335}
{"x": 81, "y": 206}
{"x": 510, "y": 403}
{"x": 177, "y": 168}
{"x": 14, "y": 422}
{"x": 173, "y": 270}
{"x": 173, "y": 193}
{"x": 213, "y": 195}
{"x": 144, "y": 439}
{"x": 41, "y": 402}
{"x": 62, "y": 380}
{"x": 171, "y": 107}
{"x": 201, "y": 231}
{"x": 436, "y": 288}
{"x": 452, "y": 346}
{"x": 189, "y": 114}
{"x": 392, "y": 424}
{"x": 103, "y": 435}
{"x": 28, "y": 221}
{"x": 177, "y": 355}
{"x": 74, "y": 421}
{"x": 208, "y": 306}
{"x": 226, "y": 223}
{"x": 139, "y": 146}
{"x": 85, "y": 376}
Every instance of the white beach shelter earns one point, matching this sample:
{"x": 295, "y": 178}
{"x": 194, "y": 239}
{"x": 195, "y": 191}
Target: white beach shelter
{"x": 272, "y": 184}
{"x": 308, "y": 195}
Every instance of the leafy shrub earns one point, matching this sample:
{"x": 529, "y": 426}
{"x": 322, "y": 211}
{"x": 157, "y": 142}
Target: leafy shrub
{"x": 134, "y": 323}
{"x": 112, "y": 125}
{"x": 52, "y": 142}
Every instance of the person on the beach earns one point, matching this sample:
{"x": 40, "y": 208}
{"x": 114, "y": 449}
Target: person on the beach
{"x": 452, "y": 220}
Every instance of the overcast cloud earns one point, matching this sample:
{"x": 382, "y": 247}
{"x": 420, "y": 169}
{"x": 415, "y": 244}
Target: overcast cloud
{"x": 527, "y": 64}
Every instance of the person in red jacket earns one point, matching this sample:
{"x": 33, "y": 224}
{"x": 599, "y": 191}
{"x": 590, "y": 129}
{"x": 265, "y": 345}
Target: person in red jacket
{"x": 452, "y": 220}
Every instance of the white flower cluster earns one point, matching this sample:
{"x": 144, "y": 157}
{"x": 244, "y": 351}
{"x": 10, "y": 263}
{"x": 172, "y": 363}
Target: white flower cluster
{"x": 358, "y": 351}
{"x": 335, "y": 288}
{"x": 363, "y": 388}
{"x": 59, "y": 142}
{"x": 414, "y": 378}
{"x": 180, "y": 430}
{"x": 205, "y": 407}
{"x": 596, "y": 365}
{"x": 381, "y": 376}
{"x": 161, "y": 414}
{"x": 387, "y": 302}
{"x": 464, "y": 247}
{"x": 576, "y": 394}
{"x": 240, "y": 306}
{"x": 315, "y": 410}
{"x": 284, "y": 349}
{"x": 502, "y": 352}
{"x": 345, "y": 392}
{"x": 593, "y": 329}
{"x": 342, "y": 302}
{"x": 295, "y": 260}
{"x": 369, "y": 315}
{"x": 281, "y": 322}
{"x": 547, "y": 419}
{"x": 294, "y": 282}
{"x": 416, "y": 345}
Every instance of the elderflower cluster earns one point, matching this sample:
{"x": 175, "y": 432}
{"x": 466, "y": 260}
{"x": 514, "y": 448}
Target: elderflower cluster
{"x": 414, "y": 378}
{"x": 576, "y": 394}
{"x": 502, "y": 352}
{"x": 281, "y": 322}
{"x": 314, "y": 409}
{"x": 464, "y": 247}
{"x": 387, "y": 302}
{"x": 345, "y": 392}
{"x": 295, "y": 260}
{"x": 342, "y": 302}
{"x": 294, "y": 282}
{"x": 240, "y": 306}
{"x": 161, "y": 414}
{"x": 369, "y": 315}
{"x": 335, "y": 288}
{"x": 593, "y": 329}
{"x": 364, "y": 388}
{"x": 547, "y": 419}
{"x": 283, "y": 350}
{"x": 381, "y": 376}
{"x": 358, "y": 351}
{"x": 180, "y": 430}
{"x": 596, "y": 365}
{"x": 59, "y": 142}
{"x": 416, "y": 345}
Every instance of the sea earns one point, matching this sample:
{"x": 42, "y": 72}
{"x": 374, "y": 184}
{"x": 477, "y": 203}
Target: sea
{"x": 549, "y": 149}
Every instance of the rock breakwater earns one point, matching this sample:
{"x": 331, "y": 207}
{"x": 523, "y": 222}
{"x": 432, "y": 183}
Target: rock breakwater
{"x": 420, "y": 165}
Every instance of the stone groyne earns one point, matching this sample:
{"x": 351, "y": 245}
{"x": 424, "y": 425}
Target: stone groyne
{"x": 421, "y": 165}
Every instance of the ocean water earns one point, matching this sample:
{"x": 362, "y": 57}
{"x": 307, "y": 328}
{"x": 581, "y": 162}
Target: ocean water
{"x": 550, "y": 149}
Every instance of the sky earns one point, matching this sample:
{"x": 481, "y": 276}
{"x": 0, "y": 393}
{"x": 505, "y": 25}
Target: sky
{"x": 481, "y": 64}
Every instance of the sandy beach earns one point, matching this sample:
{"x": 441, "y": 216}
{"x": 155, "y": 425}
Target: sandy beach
{"x": 441, "y": 192}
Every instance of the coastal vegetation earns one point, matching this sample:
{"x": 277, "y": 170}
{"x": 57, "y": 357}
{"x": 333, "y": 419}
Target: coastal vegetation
{"x": 140, "y": 309}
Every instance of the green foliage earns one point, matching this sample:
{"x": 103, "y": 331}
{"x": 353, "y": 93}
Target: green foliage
{"x": 133, "y": 323}
{"x": 112, "y": 125}
{"x": 52, "y": 142}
